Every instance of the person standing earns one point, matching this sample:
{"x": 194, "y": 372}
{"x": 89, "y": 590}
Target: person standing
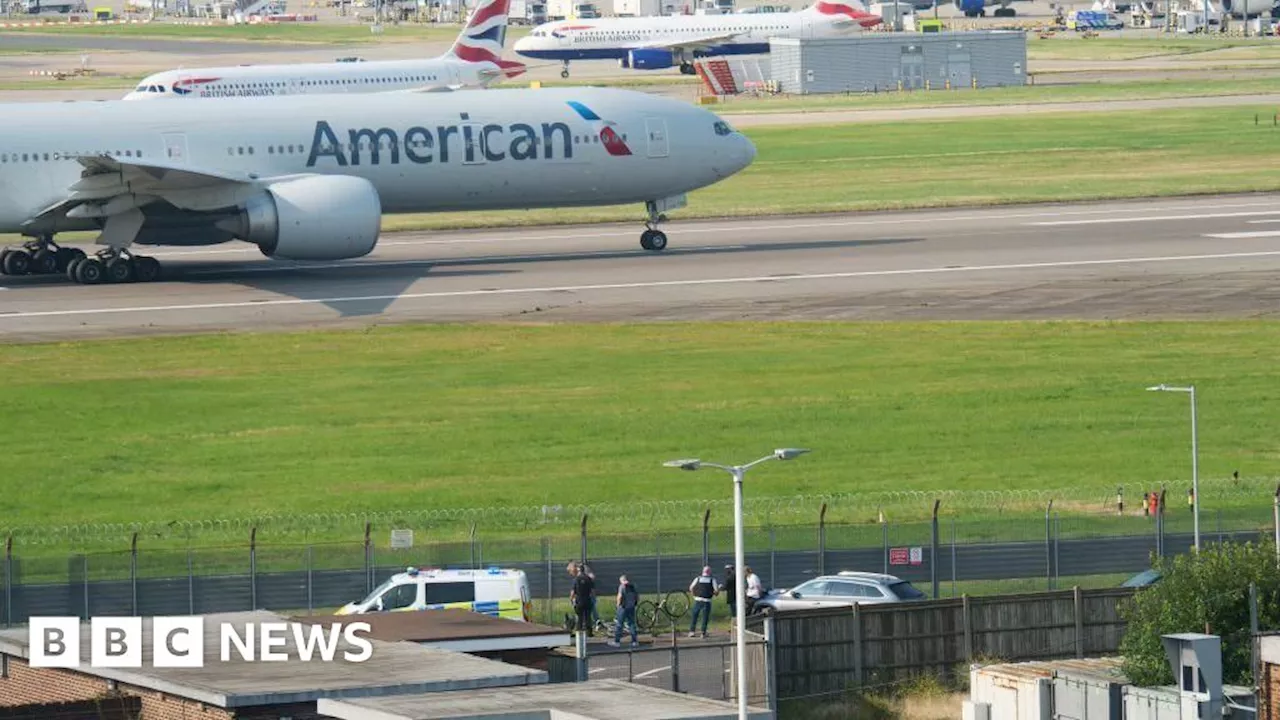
{"x": 595, "y": 614}
{"x": 730, "y": 590}
{"x": 628, "y": 599}
{"x": 703, "y": 589}
{"x": 755, "y": 590}
{"x": 580, "y": 596}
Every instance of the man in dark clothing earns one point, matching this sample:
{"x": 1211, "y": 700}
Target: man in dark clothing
{"x": 703, "y": 589}
{"x": 730, "y": 591}
{"x": 580, "y": 596}
{"x": 628, "y": 599}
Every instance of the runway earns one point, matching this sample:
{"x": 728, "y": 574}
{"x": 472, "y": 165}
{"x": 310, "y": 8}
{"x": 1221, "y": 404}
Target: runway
{"x": 1175, "y": 258}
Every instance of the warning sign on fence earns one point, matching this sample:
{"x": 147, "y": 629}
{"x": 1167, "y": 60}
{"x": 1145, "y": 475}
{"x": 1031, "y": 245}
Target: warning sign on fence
{"x": 906, "y": 556}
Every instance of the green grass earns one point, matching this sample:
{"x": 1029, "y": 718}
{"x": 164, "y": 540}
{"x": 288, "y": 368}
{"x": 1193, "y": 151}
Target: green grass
{"x": 1070, "y": 46}
{"x": 458, "y": 417}
{"x": 982, "y": 161}
{"x": 308, "y": 33}
{"x": 96, "y": 82}
{"x": 1027, "y": 94}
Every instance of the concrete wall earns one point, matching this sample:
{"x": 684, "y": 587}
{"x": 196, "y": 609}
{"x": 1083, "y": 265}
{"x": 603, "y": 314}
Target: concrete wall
{"x": 891, "y": 61}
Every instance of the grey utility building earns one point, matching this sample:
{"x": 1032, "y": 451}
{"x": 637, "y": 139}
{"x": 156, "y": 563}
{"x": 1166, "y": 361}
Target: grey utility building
{"x": 870, "y": 62}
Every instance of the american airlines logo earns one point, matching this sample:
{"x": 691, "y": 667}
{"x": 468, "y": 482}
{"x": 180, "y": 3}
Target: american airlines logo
{"x": 474, "y": 142}
{"x": 178, "y": 642}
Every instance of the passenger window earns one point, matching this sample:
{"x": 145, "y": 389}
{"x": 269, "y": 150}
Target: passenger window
{"x": 455, "y": 592}
{"x": 400, "y": 596}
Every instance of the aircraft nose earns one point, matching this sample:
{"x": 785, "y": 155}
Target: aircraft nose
{"x": 745, "y": 153}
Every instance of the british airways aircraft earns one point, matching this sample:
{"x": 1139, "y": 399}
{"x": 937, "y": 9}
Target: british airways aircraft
{"x": 305, "y": 178}
{"x": 654, "y": 43}
{"x": 475, "y": 60}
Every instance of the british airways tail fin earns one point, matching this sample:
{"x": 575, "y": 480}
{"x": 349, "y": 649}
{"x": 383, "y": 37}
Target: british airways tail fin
{"x": 484, "y": 37}
{"x": 844, "y": 12}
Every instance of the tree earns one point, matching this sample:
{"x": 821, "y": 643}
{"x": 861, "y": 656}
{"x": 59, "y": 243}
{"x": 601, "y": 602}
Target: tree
{"x": 1198, "y": 591}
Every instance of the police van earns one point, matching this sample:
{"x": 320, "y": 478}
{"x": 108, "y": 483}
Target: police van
{"x": 496, "y": 592}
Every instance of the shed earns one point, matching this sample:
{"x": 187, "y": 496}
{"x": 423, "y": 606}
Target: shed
{"x": 880, "y": 62}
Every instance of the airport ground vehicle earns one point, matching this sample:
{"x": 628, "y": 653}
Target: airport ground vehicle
{"x": 496, "y": 591}
{"x": 842, "y": 589}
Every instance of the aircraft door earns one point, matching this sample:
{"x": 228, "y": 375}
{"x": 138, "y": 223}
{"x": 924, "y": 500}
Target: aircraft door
{"x": 175, "y": 148}
{"x": 295, "y": 86}
{"x": 656, "y": 137}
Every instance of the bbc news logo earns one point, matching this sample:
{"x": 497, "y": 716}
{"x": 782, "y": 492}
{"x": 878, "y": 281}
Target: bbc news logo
{"x": 178, "y": 642}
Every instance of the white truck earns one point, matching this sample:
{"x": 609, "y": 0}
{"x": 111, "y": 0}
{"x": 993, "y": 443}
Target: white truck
{"x": 527, "y": 12}
{"x": 637, "y": 8}
{"x": 571, "y": 10}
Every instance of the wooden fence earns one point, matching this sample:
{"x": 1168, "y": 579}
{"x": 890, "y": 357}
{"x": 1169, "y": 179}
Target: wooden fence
{"x": 825, "y": 651}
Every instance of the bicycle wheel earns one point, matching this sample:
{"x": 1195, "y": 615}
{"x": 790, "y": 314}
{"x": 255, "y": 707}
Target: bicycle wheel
{"x": 676, "y": 605}
{"x": 646, "y": 616}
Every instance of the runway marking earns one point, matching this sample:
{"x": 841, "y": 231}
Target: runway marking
{"x": 647, "y": 673}
{"x": 1156, "y": 218}
{"x": 264, "y": 302}
{"x": 738, "y": 226}
{"x": 1263, "y": 222}
{"x": 1245, "y": 235}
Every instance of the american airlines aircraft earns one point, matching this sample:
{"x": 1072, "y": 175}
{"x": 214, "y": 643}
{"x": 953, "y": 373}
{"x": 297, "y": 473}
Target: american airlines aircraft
{"x": 654, "y": 43}
{"x": 305, "y": 178}
{"x": 475, "y": 60}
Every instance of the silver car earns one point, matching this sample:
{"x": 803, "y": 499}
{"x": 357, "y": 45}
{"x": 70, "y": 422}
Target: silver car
{"x": 841, "y": 590}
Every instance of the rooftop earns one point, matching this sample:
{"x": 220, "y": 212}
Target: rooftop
{"x": 460, "y": 630}
{"x": 391, "y": 668}
{"x": 592, "y": 700}
{"x": 1108, "y": 668}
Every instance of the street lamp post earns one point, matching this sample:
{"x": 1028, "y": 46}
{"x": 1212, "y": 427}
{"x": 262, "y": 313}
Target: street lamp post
{"x": 739, "y": 552}
{"x": 1195, "y": 455}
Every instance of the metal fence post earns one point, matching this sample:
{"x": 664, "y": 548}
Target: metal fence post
{"x": 368, "y": 557}
{"x": 675, "y": 658}
{"x": 1163, "y": 493}
{"x": 1219, "y": 514}
{"x": 584, "y": 538}
{"x": 1275, "y": 517}
{"x": 953, "y": 556}
{"x": 191, "y": 584}
{"x": 657, "y": 541}
{"x": 933, "y": 549}
{"x": 706, "y": 538}
{"x": 473, "y": 546}
{"x": 1253, "y": 638}
{"x": 1048, "y": 546}
{"x": 133, "y": 572}
{"x": 884, "y": 540}
{"x": 310, "y": 580}
{"x": 1057, "y": 536}
{"x": 773, "y": 558}
{"x": 546, "y": 554}
{"x": 770, "y": 657}
{"x": 822, "y": 540}
{"x": 84, "y": 569}
{"x": 8, "y": 581}
{"x": 253, "y": 569}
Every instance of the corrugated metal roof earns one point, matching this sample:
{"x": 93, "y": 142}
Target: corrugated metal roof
{"x": 1108, "y": 668}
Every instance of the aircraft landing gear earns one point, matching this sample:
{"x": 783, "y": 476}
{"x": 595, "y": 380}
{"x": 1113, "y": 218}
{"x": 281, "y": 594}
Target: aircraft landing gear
{"x": 686, "y": 68}
{"x": 652, "y": 238}
{"x": 1005, "y": 12}
{"x": 113, "y": 266}
{"x": 37, "y": 257}
{"x": 564, "y": 73}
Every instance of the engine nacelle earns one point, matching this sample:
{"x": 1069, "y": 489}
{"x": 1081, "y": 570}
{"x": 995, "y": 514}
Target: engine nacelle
{"x": 650, "y": 59}
{"x": 1249, "y": 8}
{"x": 320, "y": 217}
{"x": 970, "y": 8}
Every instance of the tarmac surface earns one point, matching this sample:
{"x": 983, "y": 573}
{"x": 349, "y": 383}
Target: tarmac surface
{"x": 1176, "y": 258}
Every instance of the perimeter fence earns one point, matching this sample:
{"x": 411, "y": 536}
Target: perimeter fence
{"x": 944, "y": 542}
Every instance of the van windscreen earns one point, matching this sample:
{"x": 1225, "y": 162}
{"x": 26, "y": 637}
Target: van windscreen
{"x": 451, "y": 592}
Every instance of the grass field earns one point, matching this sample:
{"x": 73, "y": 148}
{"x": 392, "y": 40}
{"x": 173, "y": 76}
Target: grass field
{"x": 443, "y": 417}
{"x": 964, "y": 162}
{"x": 1070, "y": 46}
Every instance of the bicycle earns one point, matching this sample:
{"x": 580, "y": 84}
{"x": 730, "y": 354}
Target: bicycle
{"x": 673, "y": 606}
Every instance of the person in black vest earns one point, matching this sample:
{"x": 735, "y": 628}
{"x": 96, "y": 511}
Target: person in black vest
{"x": 628, "y": 599}
{"x": 730, "y": 593}
{"x": 583, "y": 588}
{"x": 703, "y": 589}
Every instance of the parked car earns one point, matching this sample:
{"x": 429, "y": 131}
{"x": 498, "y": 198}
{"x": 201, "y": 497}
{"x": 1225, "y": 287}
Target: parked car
{"x": 841, "y": 590}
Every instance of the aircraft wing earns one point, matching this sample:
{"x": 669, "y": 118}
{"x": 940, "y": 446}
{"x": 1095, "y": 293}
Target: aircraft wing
{"x": 696, "y": 43}
{"x": 111, "y": 185}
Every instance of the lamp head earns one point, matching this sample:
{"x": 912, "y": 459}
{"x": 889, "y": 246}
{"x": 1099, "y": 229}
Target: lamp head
{"x": 686, "y": 464}
{"x": 789, "y": 453}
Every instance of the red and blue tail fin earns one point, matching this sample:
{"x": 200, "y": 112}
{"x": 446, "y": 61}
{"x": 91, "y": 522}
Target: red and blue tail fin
{"x": 484, "y": 37}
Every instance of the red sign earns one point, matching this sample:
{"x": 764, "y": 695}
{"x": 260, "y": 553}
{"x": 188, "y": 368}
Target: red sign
{"x": 899, "y": 556}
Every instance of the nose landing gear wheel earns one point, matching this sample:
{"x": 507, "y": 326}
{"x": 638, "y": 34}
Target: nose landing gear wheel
{"x": 655, "y": 240}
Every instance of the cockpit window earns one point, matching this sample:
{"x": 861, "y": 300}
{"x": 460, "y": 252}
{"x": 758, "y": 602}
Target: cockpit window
{"x": 722, "y": 128}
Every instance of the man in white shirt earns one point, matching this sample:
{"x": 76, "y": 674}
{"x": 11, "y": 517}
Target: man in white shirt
{"x": 754, "y": 589}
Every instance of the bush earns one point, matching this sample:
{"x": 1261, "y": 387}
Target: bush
{"x": 1209, "y": 593}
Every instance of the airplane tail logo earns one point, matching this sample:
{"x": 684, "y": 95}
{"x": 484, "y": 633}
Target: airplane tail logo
{"x": 851, "y": 9}
{"x": 484, "y": 36}
{"x": 609, "y": 137}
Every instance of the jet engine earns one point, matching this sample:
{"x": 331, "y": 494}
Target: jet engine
{"x": 650, "y": 59}
{"x": 318, "y": 217}
{"x": 971, "y": 8}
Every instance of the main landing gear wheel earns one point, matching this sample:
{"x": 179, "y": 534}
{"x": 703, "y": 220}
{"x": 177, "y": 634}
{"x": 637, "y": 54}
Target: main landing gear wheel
{"x": 653, "y": 240}
{"x": 687, "y": 69}
{"x": 113, "y": 266}
{"x": 37, "y": 257}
